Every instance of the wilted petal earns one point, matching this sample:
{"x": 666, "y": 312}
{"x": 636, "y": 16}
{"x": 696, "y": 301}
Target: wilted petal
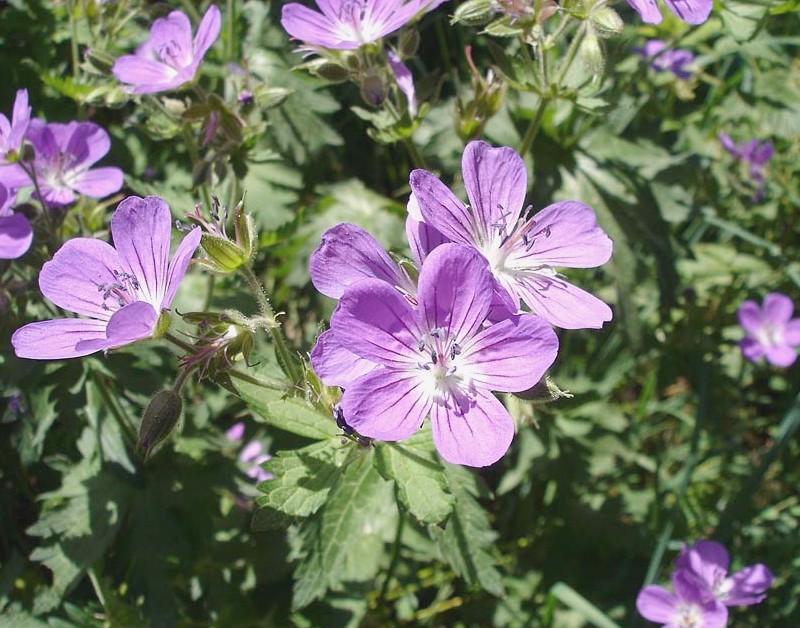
{"x": 347, "y": 254}
{"x": 511, "y": 355}
{"x": 386, "y": 404}
{"x": 179, "y": 264}
{"x": 567, "y": 235}
{"x": 207, "y": 32}
{"x": 16, "y": 236}
{"x": 478, "y": 436}
{"x": 496, "y": 182}
{"x": 690, "y": 11}
{"x": 656, "y": 604}
{"x": 442, "y": 210}
{"x": 749, "y": 585}
{"x": 561, "y": 303}
{"x": 57, "y": 339}
{"x": 335, "y": 365}
{"x": 141, "y": 229}
{"x": 375, "y": 322}
{"x": 78, "y": 273}
{"x": 99, "y": 182}
{"x": 647, "y": 10}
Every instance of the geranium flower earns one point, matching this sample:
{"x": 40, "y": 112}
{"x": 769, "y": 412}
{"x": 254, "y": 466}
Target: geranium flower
{"x": 122, "y": 289}
{"x": 754, "y": 154}
{"x": 771, "y": 332}
{"x": 439, "y": 359}
{"x": 64, "y": 156}
{"x": 252, "y": 454}
{"x": 522, "y": 251}
{"x": 350, "y": 24}
{"x": 690, "y": 11}
{"x": 685, "y": 608}
{"x": 707, "y": 562}
{"x": 16, "y": 234}
{"x": 169, "y": 59}
{"x": 405, "y": 80}
{"x": 675, "y": 61}
{"x": 12, "y": 132}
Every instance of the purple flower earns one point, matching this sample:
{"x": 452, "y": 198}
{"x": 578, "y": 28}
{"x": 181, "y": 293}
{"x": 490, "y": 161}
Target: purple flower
{"x": 690, "y": 11}
{"x": 13, "y": 133}
{"x": 235, "y": 432}
{"x": 439, "y": 359}
{"x": 754, "y": 154}
{"x": 123, "y": 289}
{"x": 706, "y": 563}
{"x": 770, "y": 332}
{"x": 349, "y": 24}
{"x": 253, "y": 456}
{"x": 685, "y": 608}
{"x": 522, "y": 251}
{"x": 169, "y": 58}
{"x": 16, "y": 234}
{"x": 674, "y": 61}
{"x": 64, "y": 154}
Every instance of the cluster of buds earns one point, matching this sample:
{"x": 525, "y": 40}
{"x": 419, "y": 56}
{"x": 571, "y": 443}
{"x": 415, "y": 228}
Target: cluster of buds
{"x": 225, "y": 256}
{"x": 223, "y": 339}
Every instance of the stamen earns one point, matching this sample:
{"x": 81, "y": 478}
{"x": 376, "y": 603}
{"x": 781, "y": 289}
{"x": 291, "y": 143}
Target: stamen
{"x": 434, "y": 357}
{"x": 455, "y": 350}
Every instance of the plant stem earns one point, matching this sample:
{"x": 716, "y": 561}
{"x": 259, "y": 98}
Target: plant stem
{"x": 260, "y": 380}
{"x": 534, "y": 126}
{"x": 285, "y": 358}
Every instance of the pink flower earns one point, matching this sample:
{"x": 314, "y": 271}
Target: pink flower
{"x": 122, "y": 289}
{"x": 690, "y": 11}
{"x": 770, "y": 331}
{"x": 169, "y": 59}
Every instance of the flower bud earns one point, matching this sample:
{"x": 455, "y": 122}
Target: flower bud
{"x": 159, "y": 420}
{"x": 408, "y": 44}
{"x": 373, "y": 90}
{"x": 545, "y": 391}
{"x": 591, "y": 52}
{"x": 98, "y": 61}
{"x": 225, "y": 255}
{"x": 473, "y": 12}
{"x": 606, "y": 21}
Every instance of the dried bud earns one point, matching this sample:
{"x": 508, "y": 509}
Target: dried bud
{"x": 159, "y": 420}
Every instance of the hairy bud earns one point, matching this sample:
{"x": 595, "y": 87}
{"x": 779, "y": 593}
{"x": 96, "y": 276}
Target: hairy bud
{"x": 159, "y": 420}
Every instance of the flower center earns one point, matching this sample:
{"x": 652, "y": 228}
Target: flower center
{"x": 440, "y": 357}
{"x": 119, "y": 293}
{"x": 171, "y": 53}
{"x": 770, "y": 335}
{"x": 689, "y": 616}
{"x": 506, "y": 244}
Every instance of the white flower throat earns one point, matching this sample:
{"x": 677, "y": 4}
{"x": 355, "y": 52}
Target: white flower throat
{"x": 505, "y": 247}
{"x": 440, "y": 366}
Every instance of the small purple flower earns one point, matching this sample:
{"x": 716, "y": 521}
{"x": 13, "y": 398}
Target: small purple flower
{"x": 770, "y": 332}
{"x": 235, "y": 432}
{"x": 439, "y": 359}
{"x": 169, "y": 59}
{"x": 522, "y": 251}
{"x": 123, "y": 289}
{"x": 64, "y": 156}
{"x": 350, "y": 24}
{"x": 13, "y": 133}
{"x": 661, "y": 60}
{"x": 706, "y": 563}
{"x": 16, "y": 234}
{"x": 685, "y": 608}
{"x": 690, "y": 11}
{"x": 252, "y": 455}
{"x": 753, "y": 154}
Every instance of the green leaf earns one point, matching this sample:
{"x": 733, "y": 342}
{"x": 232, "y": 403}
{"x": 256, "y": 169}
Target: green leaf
{"x": 742, "y": 19}
{"x": 420, "y": 484}
{"x": 466, "y": 541}
{"x": 303, "y": 479}
{"x": 290, "y": 414}
{"x": 570, "y": 597}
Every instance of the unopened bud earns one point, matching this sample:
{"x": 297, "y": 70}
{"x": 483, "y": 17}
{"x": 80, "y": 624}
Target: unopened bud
{"x": 473, "y": 13}
{"x": 98, "y": 61}
{"x": 546, "y": 391}
{"x": 224, "y": 256}
{"x": 159, "y": 420}
{"x": 606, "y": 21}
{"x": 332, "y": 72}
{"x": 409, "y": 43}
{"x": 373, "y": 90}
{"x": 591, "y": 52}
{"x": 27, "y": 153}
